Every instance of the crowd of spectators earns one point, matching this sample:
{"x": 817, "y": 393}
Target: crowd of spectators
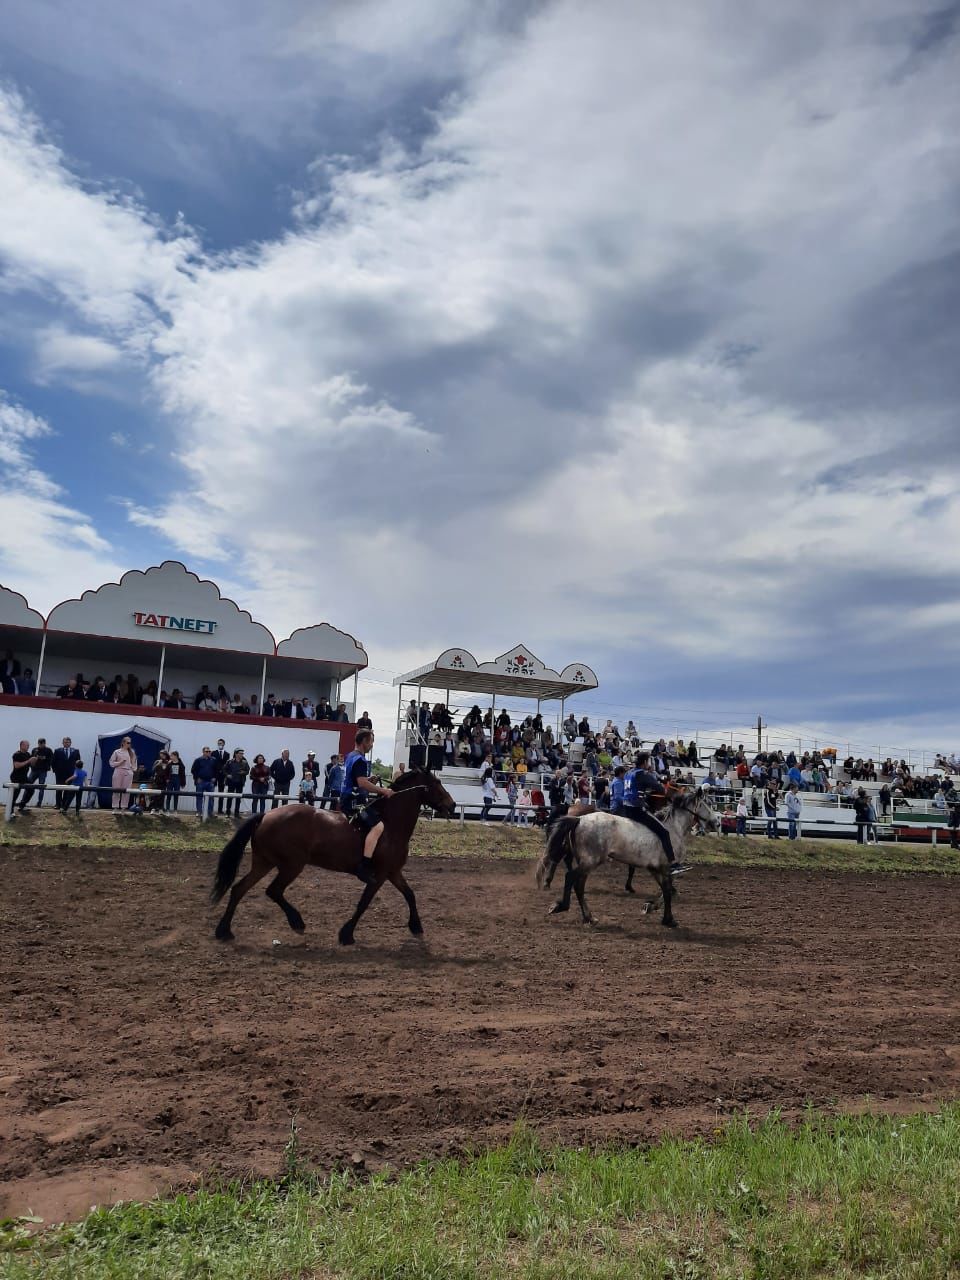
{"x": 137, "y": 788}
{"x": 529, "y": 746}
{"x": 535, "y": 769}
{"x": 128, "y": 691}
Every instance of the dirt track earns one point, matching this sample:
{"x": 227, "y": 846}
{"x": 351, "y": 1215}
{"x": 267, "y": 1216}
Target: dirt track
{"x": 139, "y": 1053}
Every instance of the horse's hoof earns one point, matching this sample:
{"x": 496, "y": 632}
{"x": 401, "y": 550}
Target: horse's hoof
{"x": 417, "y": 930}
{"x": 223, "y": 935}
{"x": 628, "y": 888}
{"x": 345, "y": 938}
{"x": 557, "y": 909}
{"x": 299, "y": 928}
{"x": 591, "y": 920}
{"x": 669, "y": 924}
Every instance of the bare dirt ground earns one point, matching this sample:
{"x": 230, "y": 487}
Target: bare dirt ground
{"x": 140, "y": 1054}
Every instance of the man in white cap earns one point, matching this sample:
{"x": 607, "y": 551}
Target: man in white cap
{"x": 310, "y": 765}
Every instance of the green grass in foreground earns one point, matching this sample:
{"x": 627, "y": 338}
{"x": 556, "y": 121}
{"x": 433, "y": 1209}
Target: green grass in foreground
{"x": 104, "y": 830}
{"x": 855, "y": 1196}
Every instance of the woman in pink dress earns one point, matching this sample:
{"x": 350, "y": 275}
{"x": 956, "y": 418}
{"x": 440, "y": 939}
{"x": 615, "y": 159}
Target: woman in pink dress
{"x": 123, "y": 762}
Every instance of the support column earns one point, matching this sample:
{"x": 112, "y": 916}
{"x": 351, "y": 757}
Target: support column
{"x": 163, "y": 662}
{"x": 43, "y": 650}
{"x": 356, "y": 686}
{"x": 263, "y": 683}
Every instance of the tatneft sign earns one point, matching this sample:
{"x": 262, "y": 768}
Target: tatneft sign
{"x": 167, "y": 622}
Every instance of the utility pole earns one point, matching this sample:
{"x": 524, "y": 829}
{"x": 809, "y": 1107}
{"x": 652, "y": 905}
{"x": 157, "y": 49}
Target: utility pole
{"x": 760, "y": 728}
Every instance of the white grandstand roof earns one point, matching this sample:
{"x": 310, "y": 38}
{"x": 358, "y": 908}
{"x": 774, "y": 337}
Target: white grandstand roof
{"x": 515, "y": 674}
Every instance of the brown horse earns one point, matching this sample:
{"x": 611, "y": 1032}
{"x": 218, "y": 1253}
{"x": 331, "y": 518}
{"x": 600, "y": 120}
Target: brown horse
{"x": 291, "y": 838}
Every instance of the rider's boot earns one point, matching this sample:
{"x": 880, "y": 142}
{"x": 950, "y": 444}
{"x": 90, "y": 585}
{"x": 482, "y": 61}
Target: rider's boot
{"x": 680, "y": 868}
{"x": 365, "y": 871}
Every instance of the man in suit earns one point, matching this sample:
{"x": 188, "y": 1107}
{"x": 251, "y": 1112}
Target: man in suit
{"x": 99, "y": 692}
{"x": 271, "y": 707}
{"x": 294, "y": 710}
{"x": 282, "y": 771}
{"x": 64, "y": 763}
{"x": 176, "y": 701}
{"x": 220, "y": 758}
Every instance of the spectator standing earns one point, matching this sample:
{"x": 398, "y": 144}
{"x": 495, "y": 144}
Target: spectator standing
{"x": 794, "y": 806}
{"x": 65, "y": 759}
{"x": 489, "y": 791}
{"x": 44, "y": 759}
{"x": 77, "y": 779}
{"x": 525, "y": 804}
{"x": 259, "y": 784}
{"x": 282, "y": 771}
{"x": 123, "y": 762}
{"x": 26, "y": 685}
{"x": 9, "y": 672}
{"x": 770, "y": 798}
{"x": 221, "y": 758}
{"x": 513, "y": 796}
{"x": 310, "y": 766}
{"x": 741, "y": 815}
{"x": 176, "y": 780}
{"x": 271, "y": 708}
{"x": 861, "y": 809}
{"x": 204, "y": 774}
{"x": 235, "y": 776}
{"x": 332, "y": 782}
{"x": 365, "y": 722}
{"x": 23, "y": 762}
{"x": 159, "y": 781}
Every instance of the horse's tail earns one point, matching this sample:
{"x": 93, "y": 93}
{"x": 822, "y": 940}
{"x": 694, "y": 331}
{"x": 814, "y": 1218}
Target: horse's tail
{"x": 231, "y": 855}
{"x": 559, "y": 845}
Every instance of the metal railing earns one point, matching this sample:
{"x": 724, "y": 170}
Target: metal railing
{"x": 205, "y": 810}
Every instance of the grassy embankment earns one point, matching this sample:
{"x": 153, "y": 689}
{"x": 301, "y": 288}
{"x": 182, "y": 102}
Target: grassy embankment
{"x": 104, "y": 830}
{"x": 849, "y": 1197}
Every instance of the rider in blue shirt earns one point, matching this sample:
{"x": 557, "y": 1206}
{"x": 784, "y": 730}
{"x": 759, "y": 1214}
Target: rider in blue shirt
{"x": 356, "y": 790}
{"x": 616, "y": 789}
{"x": 639, "y": 784}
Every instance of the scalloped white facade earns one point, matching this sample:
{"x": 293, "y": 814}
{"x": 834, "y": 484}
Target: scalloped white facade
{"x": 15, "y": 612}
{"x": 167, "y": 592}
{"x": 323, "y": 643}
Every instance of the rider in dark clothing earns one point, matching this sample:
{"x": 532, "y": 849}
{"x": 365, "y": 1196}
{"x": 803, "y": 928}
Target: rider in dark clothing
{"x": 639, "y": 785}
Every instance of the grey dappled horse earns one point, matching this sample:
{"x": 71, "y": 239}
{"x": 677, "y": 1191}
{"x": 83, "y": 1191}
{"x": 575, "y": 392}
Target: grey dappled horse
{"x": 587, "y": 842}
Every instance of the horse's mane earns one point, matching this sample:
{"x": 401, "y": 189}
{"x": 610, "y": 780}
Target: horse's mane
{"x": 679, "y": 800}
{"x": 410, "y": 778}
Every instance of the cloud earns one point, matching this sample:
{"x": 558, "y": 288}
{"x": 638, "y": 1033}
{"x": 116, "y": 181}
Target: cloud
{"x": 101, "y": 255}
{"x": 644, "y": 339}
{"x": 48, "y": 545}
{"x": 59, "y": 351}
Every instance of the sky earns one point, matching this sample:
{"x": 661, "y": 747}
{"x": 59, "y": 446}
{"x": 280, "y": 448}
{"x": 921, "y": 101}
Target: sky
{"x": 626, "y": 331}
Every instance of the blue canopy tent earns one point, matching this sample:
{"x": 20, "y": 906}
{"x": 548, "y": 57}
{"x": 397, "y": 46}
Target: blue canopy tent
{"x": 147, "y": 744}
